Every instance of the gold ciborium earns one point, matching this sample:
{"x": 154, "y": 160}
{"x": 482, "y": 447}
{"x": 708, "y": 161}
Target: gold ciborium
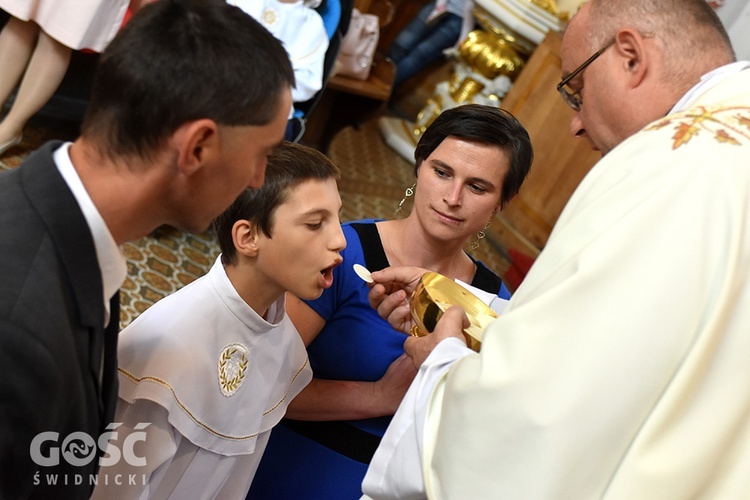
{"x": 435, "y": 293}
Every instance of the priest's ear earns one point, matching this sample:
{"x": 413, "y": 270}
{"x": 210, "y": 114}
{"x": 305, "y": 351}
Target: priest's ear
{"x": 633, "y": 49}
{"x": 245, "y": 238}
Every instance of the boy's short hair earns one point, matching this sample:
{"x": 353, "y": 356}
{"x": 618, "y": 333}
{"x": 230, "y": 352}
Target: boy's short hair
{"x": 181, "y": 60}
{"x": 289, "y": 166}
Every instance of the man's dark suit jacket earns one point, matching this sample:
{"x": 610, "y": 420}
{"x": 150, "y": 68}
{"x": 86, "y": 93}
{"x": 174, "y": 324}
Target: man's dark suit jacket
{"x": 52, "y": 335}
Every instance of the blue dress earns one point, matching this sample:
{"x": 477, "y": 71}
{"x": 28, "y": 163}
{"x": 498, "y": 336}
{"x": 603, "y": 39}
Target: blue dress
{"x": 328, "y": 460}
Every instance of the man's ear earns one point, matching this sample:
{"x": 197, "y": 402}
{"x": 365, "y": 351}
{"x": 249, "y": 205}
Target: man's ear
{"x": 245, "y": 238}
{"x": 631, "y": 47}
{"x": 196, "y": 143}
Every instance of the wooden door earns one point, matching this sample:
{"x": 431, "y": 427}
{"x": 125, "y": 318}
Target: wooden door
{"x": 560, "y": 160}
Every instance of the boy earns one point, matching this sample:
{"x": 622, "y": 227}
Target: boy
{"x": 207, "y": 372}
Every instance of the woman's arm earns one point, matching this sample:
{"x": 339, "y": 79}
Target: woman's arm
{"x": 354, "y": 400}
{"x": 344, "y": 399}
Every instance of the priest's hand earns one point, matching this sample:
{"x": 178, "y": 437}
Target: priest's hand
{"x": 390, "y": 294}
{"x": 451, "y": 324}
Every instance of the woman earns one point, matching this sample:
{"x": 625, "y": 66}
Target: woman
{"x": 469, "y": 163}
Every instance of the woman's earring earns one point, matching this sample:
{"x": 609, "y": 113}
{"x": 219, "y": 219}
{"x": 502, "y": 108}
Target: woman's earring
{"x": 481, "y": 234}
{"x": 409, "y": 192}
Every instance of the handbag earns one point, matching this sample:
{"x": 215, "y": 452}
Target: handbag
{"x": 358, "y": 46}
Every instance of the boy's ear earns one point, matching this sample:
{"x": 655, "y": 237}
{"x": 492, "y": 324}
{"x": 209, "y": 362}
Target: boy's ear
{"x": 245, "y": 238}
{"x": 195, "y": 142}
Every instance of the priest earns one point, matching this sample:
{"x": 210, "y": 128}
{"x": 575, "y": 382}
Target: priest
{"x": 618, "y": 369}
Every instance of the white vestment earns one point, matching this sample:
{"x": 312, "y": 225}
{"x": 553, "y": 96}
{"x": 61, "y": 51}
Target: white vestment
{"x": 619, "y": 369}
{"x": 211, "y": 378}
{"x": 303, "y": 34}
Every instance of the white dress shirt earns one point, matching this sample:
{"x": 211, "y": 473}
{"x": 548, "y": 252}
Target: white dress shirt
{"x": 111, "y": 261}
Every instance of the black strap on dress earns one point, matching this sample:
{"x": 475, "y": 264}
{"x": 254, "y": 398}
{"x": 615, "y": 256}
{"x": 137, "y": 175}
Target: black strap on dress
{"x": 372, "y": 245}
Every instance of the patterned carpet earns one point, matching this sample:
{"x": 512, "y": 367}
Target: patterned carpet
{"x": 373, "y": 182}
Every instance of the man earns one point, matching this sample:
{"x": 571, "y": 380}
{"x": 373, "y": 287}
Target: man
{"x": 618, "y": 369}
{"x": 189, "y": 100}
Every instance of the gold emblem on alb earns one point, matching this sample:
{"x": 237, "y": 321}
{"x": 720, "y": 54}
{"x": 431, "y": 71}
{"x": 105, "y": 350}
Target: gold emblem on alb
{"x": 233, "y": 362}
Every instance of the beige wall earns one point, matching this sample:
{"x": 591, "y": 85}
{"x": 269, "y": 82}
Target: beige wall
{"x": 735, "y": 14}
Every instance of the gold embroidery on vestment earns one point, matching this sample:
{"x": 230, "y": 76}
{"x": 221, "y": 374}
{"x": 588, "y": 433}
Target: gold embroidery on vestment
{"x": 727, "y": 125}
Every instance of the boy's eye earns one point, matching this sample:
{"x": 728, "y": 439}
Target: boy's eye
{"x": 314, "y": 225}
{"x": 441, "y": 173}
{"x": 477, "y": 188}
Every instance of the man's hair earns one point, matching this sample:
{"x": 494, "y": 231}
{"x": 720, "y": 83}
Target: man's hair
{"x": 486, "y": 125}
{"x": 689, "y": 30}
{"x": 288, "y": 166}
{"x": 181, "y": 60}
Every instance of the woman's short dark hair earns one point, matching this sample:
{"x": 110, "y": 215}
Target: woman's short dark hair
{"x": 486, "y": 125}
{"x": 288, "y": 166}
{"x": 181, "y": 60}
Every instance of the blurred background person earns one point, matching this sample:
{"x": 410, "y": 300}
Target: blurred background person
{"x": 302, "y": 32}
{"x": 36, "y": 45}
{"x": 422, "y": 42}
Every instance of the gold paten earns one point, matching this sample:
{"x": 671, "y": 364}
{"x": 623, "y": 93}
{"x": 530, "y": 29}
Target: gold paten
{"x": 435, "y": 293}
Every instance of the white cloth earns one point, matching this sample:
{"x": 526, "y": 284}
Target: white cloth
{"x": 619, "y": 368}
{"x": 495, "y": 303}
{"x": 78, "y": 24}
{"x": 211, "y": 378}
{"x": 303, "y": 34}
{"x": 707, "y": 81}
{"x": 112, "y": 264}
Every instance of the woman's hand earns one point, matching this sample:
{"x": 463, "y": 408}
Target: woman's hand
{"x": 390, "y": 389}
